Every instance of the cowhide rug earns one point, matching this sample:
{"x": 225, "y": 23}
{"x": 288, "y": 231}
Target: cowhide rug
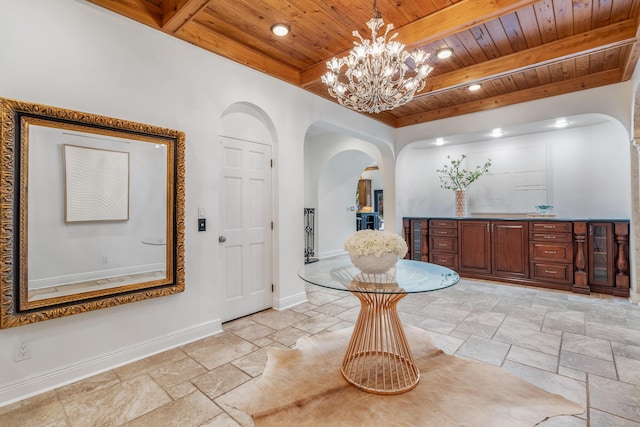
{"x": 304, "y": 387}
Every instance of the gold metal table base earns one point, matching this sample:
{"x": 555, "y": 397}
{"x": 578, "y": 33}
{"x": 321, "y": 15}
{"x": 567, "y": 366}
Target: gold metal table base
{"x": 378, "y": 359}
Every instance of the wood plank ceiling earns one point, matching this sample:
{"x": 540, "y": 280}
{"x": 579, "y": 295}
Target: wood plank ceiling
{"x": 518, "y": 50}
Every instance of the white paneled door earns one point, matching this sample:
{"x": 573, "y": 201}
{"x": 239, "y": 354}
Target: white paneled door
{"x": 245, "y": 239}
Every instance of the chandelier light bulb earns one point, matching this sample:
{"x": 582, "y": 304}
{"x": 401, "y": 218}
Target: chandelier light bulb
{"x": 377, "y": 76}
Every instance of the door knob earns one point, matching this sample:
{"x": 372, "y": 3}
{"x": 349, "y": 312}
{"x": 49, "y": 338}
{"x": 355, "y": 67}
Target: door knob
{"x": 222, "y": 239}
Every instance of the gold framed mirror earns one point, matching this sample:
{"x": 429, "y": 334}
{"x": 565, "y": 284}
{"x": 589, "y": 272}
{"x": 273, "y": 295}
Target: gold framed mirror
{"x": 92, "y": 212}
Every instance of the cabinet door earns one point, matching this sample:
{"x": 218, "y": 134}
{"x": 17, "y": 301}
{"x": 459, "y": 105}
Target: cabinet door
{"x": 474, "y": 246}
{"x": 601, "y": 254}
{"x": 510, "y": 248}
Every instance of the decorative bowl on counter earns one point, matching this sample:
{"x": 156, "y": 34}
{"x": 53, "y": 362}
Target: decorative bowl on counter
{"x": 543, "y": 208}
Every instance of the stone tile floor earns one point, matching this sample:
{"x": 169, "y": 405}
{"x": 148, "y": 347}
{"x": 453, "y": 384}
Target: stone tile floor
{"x": 584, "y": 348}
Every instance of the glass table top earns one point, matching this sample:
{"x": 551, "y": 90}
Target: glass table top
{"x": 405, "y": 278}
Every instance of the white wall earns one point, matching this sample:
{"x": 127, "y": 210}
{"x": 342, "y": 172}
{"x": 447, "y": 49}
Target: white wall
{"x": 74, "y": 55}
{"x": 588, "y": 173}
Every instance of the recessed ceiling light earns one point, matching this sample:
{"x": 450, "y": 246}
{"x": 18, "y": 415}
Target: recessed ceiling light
{"x": 444, "y": 53}
{"x": 497, "y": 132}
{"x": 439, "y": 141}
{"x": 475, "y": 86}
{"x": 280, "y": 30}
{"x": 561, "y": 123}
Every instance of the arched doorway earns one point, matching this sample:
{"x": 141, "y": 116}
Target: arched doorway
{"x": 246, "y": 239}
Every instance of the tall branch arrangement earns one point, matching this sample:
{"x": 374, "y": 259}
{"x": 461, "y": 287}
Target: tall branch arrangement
{"x": 454, "y": 177}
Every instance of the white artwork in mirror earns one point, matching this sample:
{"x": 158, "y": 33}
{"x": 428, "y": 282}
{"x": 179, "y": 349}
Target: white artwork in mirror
{"x": 96, "y": 184}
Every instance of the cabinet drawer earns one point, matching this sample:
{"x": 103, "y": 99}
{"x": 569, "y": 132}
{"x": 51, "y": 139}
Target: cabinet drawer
{"x": 561, "y": 273}
{"x": 443, "y": 223}
{"x": 551, "y": 237}
{"x": 444, "y": 244}
{"x": 453, "y": 232}
{"x": 446, "y": 260}
{"x": 557, "y": 227}
{"x": 561, "y": 252}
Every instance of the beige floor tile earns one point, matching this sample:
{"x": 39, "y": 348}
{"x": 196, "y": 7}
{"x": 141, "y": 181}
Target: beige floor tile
{"x": 94, "y": 383}
{"x": 628, "y": 370}
{"x": 178, "y": 372}
{"x": 532, "y": 358}
{"x": 614, "y": 397}
{"x": 590, "y": 365}
{"x": 526, "y": 338}
{"x": 148, "y": 364}
{"x": 192, "y": 410}
{"x": 602, "y": 419}
{"x": 220, "y": 380}
{"x": 254, "y": 363}
{"x": 222, "y": 420}
{"x": 593, "y": 347}
{"x": 118, "y": 404}
{"x": 35, "y": 415}
{"x": 220, "y": 349}
{"x": 483, "y": 349}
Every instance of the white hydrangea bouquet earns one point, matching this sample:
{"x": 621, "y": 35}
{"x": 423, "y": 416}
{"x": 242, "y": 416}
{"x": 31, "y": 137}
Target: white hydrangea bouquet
{"x": 374, "y": 251}
{"x": 375, "y": 242}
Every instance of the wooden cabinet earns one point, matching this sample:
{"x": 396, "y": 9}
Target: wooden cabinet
{"x": 443, "y": 242}
{"x": 494, "y": 248}
{"x": 581, "y": 256}
{"x": 510, "y": 249}
{"x": 551, "y": 252}
{"x": 475, "y": 247}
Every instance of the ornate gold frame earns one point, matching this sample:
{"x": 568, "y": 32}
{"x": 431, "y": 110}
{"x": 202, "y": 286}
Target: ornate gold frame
{"x": 14, "y": 120}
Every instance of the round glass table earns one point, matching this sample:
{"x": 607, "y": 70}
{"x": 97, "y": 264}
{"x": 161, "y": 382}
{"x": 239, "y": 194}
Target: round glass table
{"x": 378, "y": 358}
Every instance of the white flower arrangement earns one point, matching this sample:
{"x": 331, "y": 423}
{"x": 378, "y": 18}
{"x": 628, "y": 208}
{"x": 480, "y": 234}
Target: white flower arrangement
{"x": 375, "y": 242}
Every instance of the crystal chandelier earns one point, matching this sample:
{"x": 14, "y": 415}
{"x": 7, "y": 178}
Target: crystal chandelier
{"x": 377, "y": 77}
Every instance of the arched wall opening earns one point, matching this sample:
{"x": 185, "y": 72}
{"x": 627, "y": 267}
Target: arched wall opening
{"x": 334, "y": 161}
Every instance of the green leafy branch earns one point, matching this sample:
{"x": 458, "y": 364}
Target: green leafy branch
{"x": 454, "y": 177}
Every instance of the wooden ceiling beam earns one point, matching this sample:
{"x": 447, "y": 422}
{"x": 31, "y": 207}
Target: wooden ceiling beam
{"x": 176, "y": 13}
{"x": 614, "y": 35}
{"x": 559, "y": 88}
{"x": 630, "y": 61}
{"x": 460, "y": 16}
{"x": 138, "y": 10}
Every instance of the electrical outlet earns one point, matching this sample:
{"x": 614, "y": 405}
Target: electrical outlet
{"x": 22, "y": 351}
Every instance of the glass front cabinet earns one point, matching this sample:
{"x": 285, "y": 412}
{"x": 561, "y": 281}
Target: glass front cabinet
{"x": 601, "y": 256}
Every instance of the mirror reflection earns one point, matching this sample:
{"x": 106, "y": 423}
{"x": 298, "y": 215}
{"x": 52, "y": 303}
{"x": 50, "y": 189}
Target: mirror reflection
{"x": 97, "y": 212}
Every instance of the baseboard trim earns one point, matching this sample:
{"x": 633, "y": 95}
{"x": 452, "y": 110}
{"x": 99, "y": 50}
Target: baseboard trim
{"x": 290, "y": 301}
{"x": 37, "y": 384}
